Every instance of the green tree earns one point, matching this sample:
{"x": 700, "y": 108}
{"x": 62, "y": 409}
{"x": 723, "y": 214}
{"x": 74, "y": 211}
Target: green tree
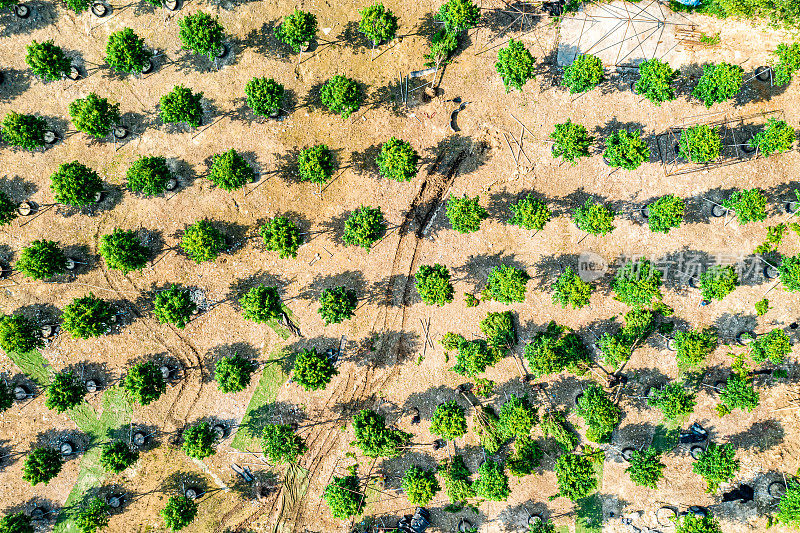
{"x": 75, "y": 184}
{"x": 506, "y": 284}
{"x": 297, "y": 29}
{"x": 94, "y": 115}
{"x": 465, "y": 213}
{"x": 341, "y": 95}
{"x": 516, "y": 65}
{"x": 789, "y": 271}
{"x": 122, "y": 250}
{"x": 364, "y": 227}
{"x": 656, "y": 79}
{"x": 378, "y": 23}
{"x": 420, "y": 485}
{"x": 117, "y": 455}
{"x": 527, "y": 456}
{"x": 666, "y": 213}
{"x": 571, "y": 141}
{"x": 492, "y": 482}
{"x": 8, "y": 209}
{"x": 575, "y": 476}
{"x": 788, "y": 62}
{"x": 443, "y": 44}
{"x": 789, "y": 505}
{"x": 16, "y": 523}
{"x": 474, "y": 357}
{"x": 542, "y": 527}
{"x": 125, "y": 52}
{"x": 570, "y": 289}
{"x": 148, "y": 175}
{"x": 486, "y": 428}
{"x": 599, "y": 412}
{"x": 202, "y": 242}
{"x": 233, "y": 373}
{"x": 554, "y": 424}
{"x": 692, "y": 347}
{"x": 718, "y": 281}
{"x": 64, "y": 392}
{"x": 181, "y": 105}
{"x": 145, "y": 382}
{"x": 449, "y": 421}
{"x": 594, "y": 218}
{"x": 718, "y": 83}
{"x": 455, "y": 476}
{"x": 281, "y": 444}
{"x": 198, "y": 441}
{"x": 700, "y": 144}
{"x": 337, "y": 305}
{"x": 626, "y": 149}
{"x": 499, "y": 330}
{"x": 762, "y": 306}
{"x": 264, "y": 96}
{"x": 374, "y": 438}
{"x": 530, "y": 213}
{"x": 584, "y": 74}
{"x": 738, "y": 392}
{"x": 517, "y": 418}
{"x": 179, "y": 512}
{"x": 674, "y": 400}
{"x": 281, "y": 235}
{"x": 398, "y": 160}
{"x": 343, "y": 496}
{"x": 775, "y": 138}
{"x": 261, "y": 304}
{"x": 42, "y": 260}
{"x": 433, "y": 284}
{"x": 458, "y": 15}
{"x": 313, "y": 370}
{"x": 691, "y": 523}
{"x": 42, "y": 465}
{"x": 174, "y": 306}
{"x": 87, "y": 317}
{"x": 92, "y": 516}
{"x": 554, "y": 350}
{"x": 717, "y": 465}
{"x": 23, "y": 131}
{"x": 230, "y": 171}
{"x": 749, "y": 205}
{"x": 646, "y": 468}
{"x": 316, "y": 164}
{"x": 638, "y": 284}
{"x": 201, "y": 33}
{"x": 47, "y": 61}
{"x": 773, "y": 346}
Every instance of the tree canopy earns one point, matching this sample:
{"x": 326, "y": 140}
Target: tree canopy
{"x": 123, "y": 250}
{"x": 378, "y": 23}
{"x": 174, "y": 306}
{"x": 516, "y": 65}
{"x": 75, "y": 184}
{"x": 64, "y": 392}
{"x": 42, "y": 465}
{"x": 23, "y": 131}
{"x": 261, "y": 304}
{"x": 126, "y": 52}
{"x": 149, "y": 175}
{"x": 202, "y": 241}
{"x": 599, "y": 412}
{"x": 47, "y": 61}
{"x": 465, "y": 214}
{"x": 281, "y": 444}
{"x": 181, "y": 105}
{"x": 583, "y": 74}
{"x": 313, "y": 370}
{"x": 230, "y": 171}
{"x": 281, "y": 234}
{"x": 433, "y": 284}
{"x": 297, "y": 29}
{"x": 94, "y": 115}
{"x": 201, "y": 33}
{"x": 717, "y": 465}
{"x": 364, "y": 227}
{"x": 397, "y": 160}
{"x": 117, "y": 455}
{"x": 179, "y": 512}
{"x": 374, "y": 438}
{"x": 575, "y": 476}
{"x": 19, "y": 334}
{"x": 420, "y": 485}
{"x": 233, "y": 373}
{"x": 656, "y": 79}
{"x": 449, "y": 420}
{"x": 145, "y": 382}
{"x": 87, "y": 317}
{"x": 342, "y": 95}
{"x": 198, "y": 440}
{"x": 506, "y": 284}
{"x": 554, "y": 350}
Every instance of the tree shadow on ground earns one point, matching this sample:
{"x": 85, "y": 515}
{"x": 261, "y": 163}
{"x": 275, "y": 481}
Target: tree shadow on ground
{"x": 475, "y": 270}
{"x": 257, "y": 419}
{"x": 351, "y": 279}
{"x": 363, "y": 163}
{"x": 548, "y": 268}
{"x": 241, "y": 349}
{"x": 264, "y": 42}
{"x": 730, "y": 325}
{"x": 42, "y": 14}
{"x": 239, "y": 287}
{"x": 426, "y": 402}
{"x": 760, "y": 436}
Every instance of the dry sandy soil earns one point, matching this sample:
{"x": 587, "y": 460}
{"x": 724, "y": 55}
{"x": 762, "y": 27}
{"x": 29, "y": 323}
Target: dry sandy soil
{"x": 382, "y": 367}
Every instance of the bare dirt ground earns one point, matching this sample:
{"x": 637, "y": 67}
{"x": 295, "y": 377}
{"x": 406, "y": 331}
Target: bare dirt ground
{"x": 383, "y": 367}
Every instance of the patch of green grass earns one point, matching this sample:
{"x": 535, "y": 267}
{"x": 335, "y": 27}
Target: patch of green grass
{"x": 34, "y": 365}
{"x": 276, "y": 326}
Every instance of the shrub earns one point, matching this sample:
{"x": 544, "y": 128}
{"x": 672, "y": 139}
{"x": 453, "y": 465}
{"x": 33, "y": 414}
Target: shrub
{"x": 449, "y": 421}
{"x": 420, "y": 485}
{"x": 717, "y": 465}
{"x": 474, "y": 357}
{"x": 527, "y": 456}
{"x": 570, "y": 289}
{"x": 378, "y": 23}
{"x": 443, "y": 44}
{"x": 599, "y": 412}
{"x": 626, "y": 149}
{"x": 201, "y": 33}
{"x": 554, "y": 424}
{"x": 594, "y": 218}
{"x": 517, "y": 418}
{"x": 341, "y": 95}
{"x": 776, "y": 137}
{"x": 281, "y": 444}
{"x": 261, "y": 304}
{"x": 42, "y": 260}
{"x": 486, "y": 422}
{"x": 789, "y": 505}
{"x": 75, "y": 184}
{"x": 458, "y": 15}
{"x": 202, "y": 242}
{"x": 638, "y": 284}
{"x": 198, "y": 441}
{"x": 789, "y": 271}
{"x": 297, "y": 29}
{"x": 316, "y": 164}
{"x": 148, "y": 175}
{"x": 8, "y": 209}
{"x": 337, "y": 305}
{"x": 738, "y": 392}
{"x": 92, "y": 516}
{"x": 64, "y": 392}
{"x": 179, "y": 512}
{"x": 364, "y": 227}
{"x": 282, "y": 235}
{"x": 78, "y": 6}
{"x": 16, "y": 523}
{"x": 718, "y": 281}
{"x": 433, "y": 284}
{"x": 116, "y": 456}
{"x": 125, "y": 52}
{"x": 122, "y": 250}
{"x": 23, "y": 131}
{"x": 465, "y": 213}
{"x": 762, "y": 306}
{"x": 542, "y": 527}
{"x": 749, "y": 205}
{"x": 788, "y": 62}
{"x": 312, "y": 370}
{"x": 665, "y": 213}
{"x": 230, "y": 171}
{"x": 492, "y": 482}
{"x": 554, "y": 350}
{"x": 174, "y": 306}
{"x": 585, "y": 73}
{"x": 87, "y": 317}
{"x": 506, "y": 284}
{"x": 700, "y": 144}
{"x": 499, "y": 330}
{"x": 145, "y": 383}
{"x": 233, "y": 373}
{"x": 47, "y": 60}
{"x": 19, "y": 334}
{"x": 94, "y": 115}
{"x": 646, "y": 467}
{"x": 616, "y": 348}
{"x": 516, "y": 65}
{"x": 42, "y": 465}
{"x": 456, "y": 480}
{"x": 374, "y": 438}
{"x": 575, "y": 476}
{"x": 530, "y": 213}
{"x": 773, "y": 347}
{"x": 571, "y": 141}
{"x": 264, "y": 96}
{"x": 718, "y": 83}
{"x": 398, "y": 160}
{"x": 691, "y": 523}
{"x": 343, "y": 496}
{"x": 655, "y": 81}
{"x": 181, "y": 105}
{"x": 692, "y": 347}
{"x": 674, "y": 400}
